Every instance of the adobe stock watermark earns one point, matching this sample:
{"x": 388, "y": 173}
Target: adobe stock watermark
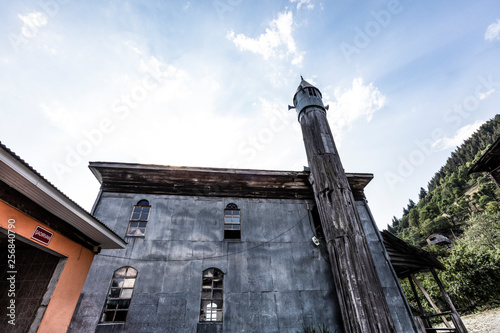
{"x": 33, "y": 22}
{"x": 93, "y": 137}
{"x": 224, "y": 6}
{"x": 363, "y": 36}
{"x": 455, "y": 116}
{"x": 11, "y": 272}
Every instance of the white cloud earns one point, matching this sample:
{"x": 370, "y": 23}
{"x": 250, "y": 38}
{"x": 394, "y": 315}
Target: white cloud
{"x": 32, "y": 22}
{"x": 307, "y": 4}
{"x": 277, "y": 41}
{"x": 359, "y": 101}
{"x": 493, "y": 31}
{"x": 460, "y": 136}
{"x": 131, "y": 45}
{"x": 483, "y": 96}
{"x": 62, "y": 117}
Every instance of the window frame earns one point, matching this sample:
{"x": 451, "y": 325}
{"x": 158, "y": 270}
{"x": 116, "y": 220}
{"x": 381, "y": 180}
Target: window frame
{"x": 137, "y": 226}
{"x": 232, "y": 229}
{"x": 212, "y": 296}
{"x": 116, "y": 295}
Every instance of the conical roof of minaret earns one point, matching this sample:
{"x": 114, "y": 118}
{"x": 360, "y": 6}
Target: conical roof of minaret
{"x": 306, "y": 96}
{"x": 304, "y": 84}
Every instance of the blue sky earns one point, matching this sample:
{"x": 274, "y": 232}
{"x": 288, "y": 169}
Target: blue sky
{"x": 207, "y": 83}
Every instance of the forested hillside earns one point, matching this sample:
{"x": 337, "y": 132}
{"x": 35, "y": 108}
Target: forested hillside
{"x": 465, "y": 209}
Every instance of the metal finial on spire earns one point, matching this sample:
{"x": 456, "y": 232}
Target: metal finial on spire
{"x": 301, "y": 78}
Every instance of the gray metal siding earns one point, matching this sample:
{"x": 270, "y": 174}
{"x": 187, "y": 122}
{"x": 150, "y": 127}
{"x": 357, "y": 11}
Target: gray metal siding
{"x": 275, "y": 279}
{"x": 398, "y": 307}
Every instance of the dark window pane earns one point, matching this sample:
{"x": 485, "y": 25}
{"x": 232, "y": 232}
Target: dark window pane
{"x": 123, "y": 304}
{"x": 133, "y": 224}
{"x": 207, "y": 282}
{"x": 110, "y": 305}
{"x": 114, "y": 293}
{"x": 217, "y": 283}
{"x": 206, "y": 293}
{"x": 142, "y": 224}
{"x": 117, "y": 283}
{"x": 107, "y": 316}
{"x": 135, "y": 216}
{"x": 120, "y": 315}
{"x": 218, "y": 274}
{"x": 143, "y": 203}
{"x": 217, "y": 294}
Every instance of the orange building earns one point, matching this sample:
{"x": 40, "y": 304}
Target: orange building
{"x": 47, "y": 243}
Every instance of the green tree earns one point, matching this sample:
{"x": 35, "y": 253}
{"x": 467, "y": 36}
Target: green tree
{"x": 482, "y": 231}
{"x": 472, "y": 276}
{"x": 413, "y": 218}
{"x": 422, "y": 194}
{"x": 493, "y": 207}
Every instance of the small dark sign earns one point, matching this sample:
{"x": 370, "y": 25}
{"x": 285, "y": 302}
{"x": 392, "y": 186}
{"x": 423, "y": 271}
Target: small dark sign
{"x": 42, "y": 235}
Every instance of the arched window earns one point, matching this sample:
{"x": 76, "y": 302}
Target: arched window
{"x": 211, "y": 295}
{"x": 232, "y": 222}
{"x": 119, "y": 295}
{"x": 139, "y": 219}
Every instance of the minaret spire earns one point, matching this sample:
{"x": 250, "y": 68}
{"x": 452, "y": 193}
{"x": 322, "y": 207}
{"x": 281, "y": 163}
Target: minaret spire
{"x": 363, "y": 304}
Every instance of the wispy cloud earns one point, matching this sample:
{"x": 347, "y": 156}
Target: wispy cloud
{"x": 67, "y": 119}
{"x": 493, "y": 31}
{"x": 483, "y": 96}
{"x": 460, "y": 136}
{"x": 277, "y": 41}
{"x": 359, "y": 101}
{"x": 32, "y": 22}
{"x": 306, "y": 3}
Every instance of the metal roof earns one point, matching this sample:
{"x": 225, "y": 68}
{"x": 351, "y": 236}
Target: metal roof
{"x": 406, "y": 258}
{"x": 19, "y": 175}
{"x": 490, "y": 161}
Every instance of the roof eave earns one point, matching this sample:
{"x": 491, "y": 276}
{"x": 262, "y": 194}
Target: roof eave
{"x": 20, "y": 176}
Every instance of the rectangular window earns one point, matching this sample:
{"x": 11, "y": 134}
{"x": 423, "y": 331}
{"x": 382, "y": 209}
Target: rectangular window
{"x": 119, "y": 295}
{"x": 211, "y": 295}
{"x": 139, "y": 219}
{"x": 232, "y": 224}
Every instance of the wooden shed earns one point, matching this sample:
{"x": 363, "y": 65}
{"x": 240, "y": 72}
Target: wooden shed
{"x": 408, "y": 260}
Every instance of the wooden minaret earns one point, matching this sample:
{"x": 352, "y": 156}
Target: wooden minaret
{"x": 363, "y": 305}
